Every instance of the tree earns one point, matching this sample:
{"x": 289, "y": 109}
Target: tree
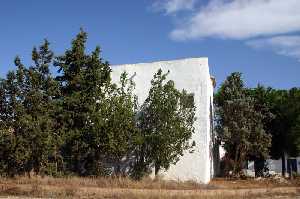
{"x": 263, "y": 105}
{"x": 295, "y": 136}
{"x": 166, "y": 125}
{"x": 27, "y": 125}
{"x": 99, "y": 116}
{"x": 239, "y": 125}
{"x": 118, "y": 112}
{"x": 75, "y": 103}
{"x": 79, "y": 122}
{"x": 38, "y": 120}
{"x": 13, "y": 144}
{"x": 285, "y": 106}
{"x": 292, "y": 113}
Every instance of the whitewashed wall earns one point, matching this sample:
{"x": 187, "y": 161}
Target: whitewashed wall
{"x": 192, "y": 75}
{"x": 274, "y": 166}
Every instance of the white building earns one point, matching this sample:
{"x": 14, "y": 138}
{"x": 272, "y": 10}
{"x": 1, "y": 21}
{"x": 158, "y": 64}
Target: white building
{"x": 292, "y": 164}
{"x": 192, "y": 75}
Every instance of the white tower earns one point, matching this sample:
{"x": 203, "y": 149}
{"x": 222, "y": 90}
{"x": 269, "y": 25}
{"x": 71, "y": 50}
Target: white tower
{"x": 192, "y": 75}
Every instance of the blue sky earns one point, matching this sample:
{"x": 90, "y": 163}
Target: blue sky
{"x": 259, "y": 38}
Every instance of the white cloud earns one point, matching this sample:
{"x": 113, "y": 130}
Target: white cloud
{"x": 237, "y": 19}
{"x": 283, "y": 45}
{"x": 173, "y": 6}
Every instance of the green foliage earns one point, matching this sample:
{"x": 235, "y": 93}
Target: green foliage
{"x": 278, "y": 110}
{"x": 39, "y": 105}
{"x": 295, "y": 137}
{"x": 27, "y": 125}
{"x": 239, "y": 125}
{"x": 166, "y": 125}
{"x": 99, "y": 116}
{"x": 119, "y": 108}
{"x": 281, "y": 109}
{"x": 80, "y": 123}
{"x": 286, "y": 108}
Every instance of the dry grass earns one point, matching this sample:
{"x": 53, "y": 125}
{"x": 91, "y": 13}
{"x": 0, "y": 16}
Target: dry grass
{"x": 254, "y": 183}
{"x": 108, "y": 182}
{"x": 124, "y": 188}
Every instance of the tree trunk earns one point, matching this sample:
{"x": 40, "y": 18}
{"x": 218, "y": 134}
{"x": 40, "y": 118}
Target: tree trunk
{"x": 156, "y": 169}
{"x": 236, "y": 162}
{"x": 283, "y": 164}
{"x": 259, "y": 167}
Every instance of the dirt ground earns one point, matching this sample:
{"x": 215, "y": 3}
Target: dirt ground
{"x": 120, "y": 188}
{"x": 254, "y": 183}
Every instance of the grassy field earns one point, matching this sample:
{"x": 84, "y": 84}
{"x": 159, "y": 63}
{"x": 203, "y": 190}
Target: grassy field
{"x": 124, "y": 188}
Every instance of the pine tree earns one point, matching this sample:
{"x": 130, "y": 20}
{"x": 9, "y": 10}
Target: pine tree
{"x": 295, "y": 136}
{"x": 39, "y": 102}
{"x": 27, "y": 122}
{"x": 239, "y": 125}
{"x": 98, "y": 115}
{"x": 263, "y": 105}
{"x": 285, "y": 106}
{"x": 73, "y": 107}
{"x": 13, "y": 144}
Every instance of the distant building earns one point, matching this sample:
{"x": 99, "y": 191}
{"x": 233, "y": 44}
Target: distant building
{"x": 192, "y": 75}
{"x": 275, "y": 167}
